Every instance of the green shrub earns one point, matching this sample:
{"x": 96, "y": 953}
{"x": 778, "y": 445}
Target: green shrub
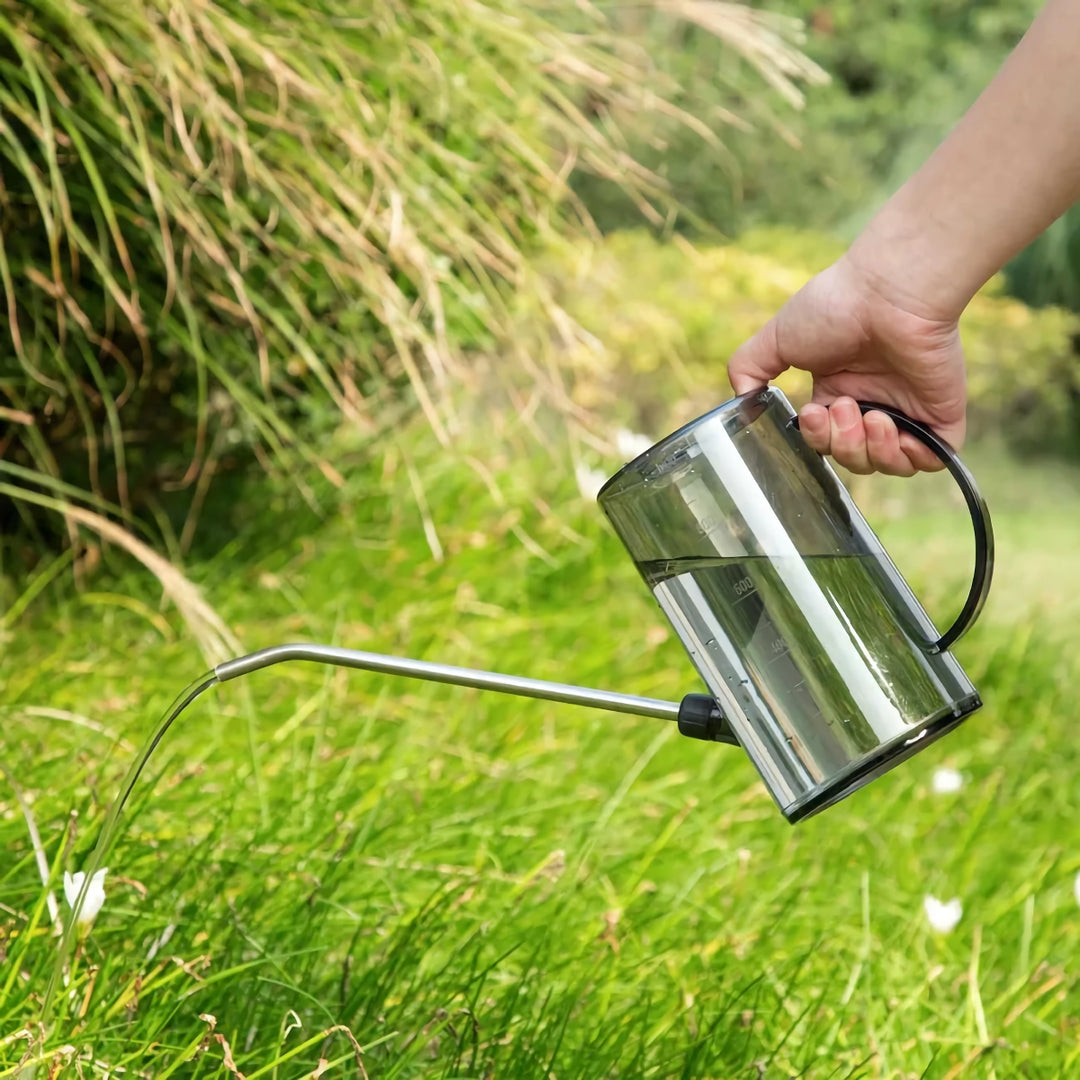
{"x": 667, "y": 316}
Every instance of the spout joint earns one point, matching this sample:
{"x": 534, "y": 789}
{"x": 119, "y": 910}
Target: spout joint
{"x": 700, "y": 718}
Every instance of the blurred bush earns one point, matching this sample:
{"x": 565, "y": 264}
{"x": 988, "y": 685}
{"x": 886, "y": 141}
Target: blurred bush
{"x": 1048, "y": 271}
{"x": 668, "y": 315}
{"x": 227, "y": 227}
{"x": 899, "y": 75}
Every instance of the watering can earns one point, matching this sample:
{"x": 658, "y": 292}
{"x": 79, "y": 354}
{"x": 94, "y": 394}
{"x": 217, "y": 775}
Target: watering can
{"x": 818, "y": 659}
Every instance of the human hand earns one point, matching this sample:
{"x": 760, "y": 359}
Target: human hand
{"x": 861, "y": 339}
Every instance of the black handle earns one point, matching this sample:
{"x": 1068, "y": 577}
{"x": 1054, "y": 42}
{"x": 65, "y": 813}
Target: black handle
{"x": 980, "y": 519}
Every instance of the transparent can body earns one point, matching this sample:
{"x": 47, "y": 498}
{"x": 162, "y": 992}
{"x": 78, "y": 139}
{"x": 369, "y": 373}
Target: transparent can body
{"x": 821, "y": 658}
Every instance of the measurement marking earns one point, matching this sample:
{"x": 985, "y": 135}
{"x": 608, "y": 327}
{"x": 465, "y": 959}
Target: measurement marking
{"x": 779, "y": 656}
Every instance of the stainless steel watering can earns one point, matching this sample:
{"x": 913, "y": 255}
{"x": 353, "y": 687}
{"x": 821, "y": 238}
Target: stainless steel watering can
{"x": 819, "y": 660}
{"x": 823, "y": 663}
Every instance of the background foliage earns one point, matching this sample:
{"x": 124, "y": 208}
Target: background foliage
{"x": 899, "y": 75}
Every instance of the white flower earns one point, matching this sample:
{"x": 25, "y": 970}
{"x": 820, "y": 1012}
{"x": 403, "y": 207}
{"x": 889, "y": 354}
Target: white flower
{"x": 95, "y": 894}
{"x": 589, "y": 481}
{"x": 946, "y": 781}
{"x": 1076, "y": 888}
{"x": 630, "y": 444}
{"x": 942, "y": 917}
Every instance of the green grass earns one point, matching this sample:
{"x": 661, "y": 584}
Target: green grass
{"x": 478, "y": 886}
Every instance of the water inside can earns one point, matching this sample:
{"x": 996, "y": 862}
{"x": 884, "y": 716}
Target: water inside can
{"x": 829, "y": 652}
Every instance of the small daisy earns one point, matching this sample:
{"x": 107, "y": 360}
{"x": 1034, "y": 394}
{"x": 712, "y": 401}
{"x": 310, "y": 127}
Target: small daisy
{"x": 946, "y": 781}
{"x": 942, "y": 916}
{"x": 95, "y": 894}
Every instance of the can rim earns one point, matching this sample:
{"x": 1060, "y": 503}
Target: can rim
{"x": 765, "y": 395}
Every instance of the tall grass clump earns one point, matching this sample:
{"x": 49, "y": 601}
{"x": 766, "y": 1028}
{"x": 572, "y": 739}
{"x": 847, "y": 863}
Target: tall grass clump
{"x": 226, "y": 227}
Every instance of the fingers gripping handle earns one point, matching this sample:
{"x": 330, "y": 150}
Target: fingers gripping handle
{"x": 980, "y": 519}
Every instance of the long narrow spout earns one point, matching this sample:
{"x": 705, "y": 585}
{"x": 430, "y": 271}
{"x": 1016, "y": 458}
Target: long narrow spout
{"x": 446, "y": 673}
{"x": 697, "y": 716}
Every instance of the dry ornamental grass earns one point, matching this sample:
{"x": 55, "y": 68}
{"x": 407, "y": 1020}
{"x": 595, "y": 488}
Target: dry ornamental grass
{"x": 226, "y": 228}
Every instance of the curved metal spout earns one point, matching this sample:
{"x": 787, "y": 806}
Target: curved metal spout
{"x": 697, "y": 716}
{"x": 446, "y": 673}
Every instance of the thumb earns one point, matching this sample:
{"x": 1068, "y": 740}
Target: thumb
{"x": 756, "y": 361}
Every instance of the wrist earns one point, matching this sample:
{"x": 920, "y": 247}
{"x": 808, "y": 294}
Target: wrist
{"x": 914, "y": 261}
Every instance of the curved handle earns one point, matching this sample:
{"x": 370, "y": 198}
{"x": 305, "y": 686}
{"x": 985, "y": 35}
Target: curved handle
{"x": 980, "y": 519}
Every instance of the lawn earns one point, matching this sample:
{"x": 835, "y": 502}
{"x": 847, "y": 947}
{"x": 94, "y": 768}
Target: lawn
{"x": 480, "y": 886}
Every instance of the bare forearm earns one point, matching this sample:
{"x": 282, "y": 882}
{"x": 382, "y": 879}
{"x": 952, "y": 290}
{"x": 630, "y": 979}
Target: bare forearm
{"x": 1008, "y": 169}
